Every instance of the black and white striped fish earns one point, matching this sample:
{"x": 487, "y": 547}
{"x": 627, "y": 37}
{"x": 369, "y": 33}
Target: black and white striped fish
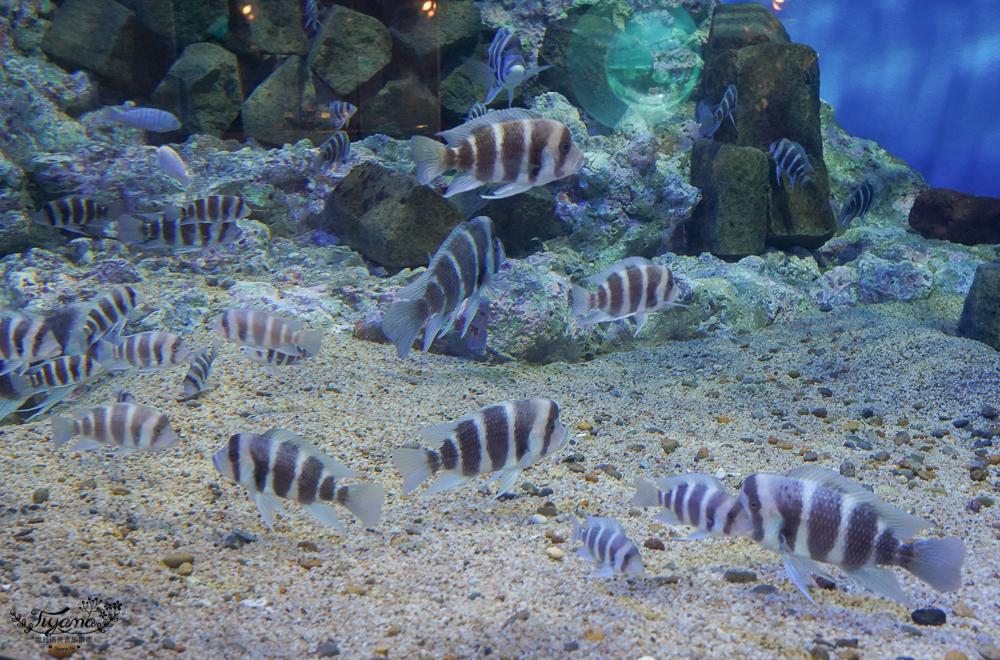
{"x": 281, "y": 465}
{"x": 257, "y": 329}
{"x": 514, "y": 146}
{"x": 857, "y": 205}
{"x": 145, "y": 351}
{"x": 790, "y": 158}
{"x": 179, "y": 235}
{"x": 468, "y": 261}
{"x": 126, "y": 426}
{"x": 504, "y": 438}
{"x": 341, "y": 112}
{"x": 108, "y": 314}
{"x": 335, "y": 149}
{"x": 146, "y": 119}
{"x": 814, "y": 516}
{"x": 710, "y": 120}
{"x": 476, "y": 111}
{"x": 58, "y": 377}
{"x": 270, "y": 358}
{"x": 633, "y": 287}
{"x": 697, "y": 500}
{"x": 79, "y": 214}
{"x": 24, "y": 340}
{"x": 505, "y": 67}
{"x": 14, "y": 390}
{"x": 214, "y": 208}
{"x": 199, "y": 371}
{"x": 312, "y": 16}
{"x": 606, "y": 544}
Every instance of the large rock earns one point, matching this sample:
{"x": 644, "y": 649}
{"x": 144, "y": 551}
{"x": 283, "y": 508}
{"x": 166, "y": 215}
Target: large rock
{"x": 182, "y": 22}
{"x": 958, "y": 217}
{"x": 202, "y": 89}
{"x": 731, "y": 221}
{"x": 388, "y": 216}
{"x": 273, "y": 26}
{"x": 980, "y": 318}
{"x": 401, "y": 110}
{"x": 525, "y": 219}
{"x": 736, "y": 26}
{"x": 350, "y": 49}
{"x": 453, "y": 27}
{"x": 283, "y": 107}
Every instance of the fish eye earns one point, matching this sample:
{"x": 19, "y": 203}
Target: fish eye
{"x": 754, "y": 505}
{"x": 551, "y": 427}
{"x": 564, "y": 147}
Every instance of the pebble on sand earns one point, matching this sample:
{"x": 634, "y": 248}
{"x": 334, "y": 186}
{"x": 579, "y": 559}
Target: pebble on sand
{"x": 185, "y": 569}
{"x": 555, "y": 553}
{"x": 739, "y": 576}
{"x": 963, "y": 610}
{"x": 653, "y": 544}
{"x": 40, "y": 496}
{"x": 175, "y": 559}
{"x": 929, "y": 617}
{"x": 989, "y": 652}
{"x": 594, "y": 635}
{"x": 955, "y": 655}
{"x": 327, "y": 649}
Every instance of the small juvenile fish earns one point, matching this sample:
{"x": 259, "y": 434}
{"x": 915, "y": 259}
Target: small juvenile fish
{"x": 145, "y": 351}
{"x": 78, "y": 214}
{"x": 477, "y": 110}
{"x": 58, "y": 377}
{"x": 214, "y": 208}
{"x": 281, "y": 465}
{"x": 790, "y": 158}
{"x": 173, "y": 165}
{"x": 200, "y": 370}
{"x": 606, "y": 544}
{"x": 467, "y": 262}
{"x": 697, "y": 500}
{"x": 107, "y": 315}
{"x": 504, "y": 438}
{"x": 514, "y": 146}
{"x": 127, "y": 426}
{"x": 312, "y": 16}
{"x": 505, "y": 67}
{"x": 177, "y": 234}
{"x": 341, "y": 112}
{"x": 271, "y": 358}
{"x": 814, "y": 516}
{"x": 859, "y": 203}
{"x": 146, "y": 119}
{"x": 257, "y": 329}
{"x": 710, "y": 120}
{"x": 631, "y": 287}
{"x": 335, "y": 149}
{"x": 25, "y": 340}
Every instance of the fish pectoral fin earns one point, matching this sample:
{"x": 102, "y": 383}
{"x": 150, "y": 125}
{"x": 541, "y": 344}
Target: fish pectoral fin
{"x": 881, "y": 581}
{"x": 602, "y": 572}
{"x": 640, "y": 321}
{"x": 508, "y": 190}
{"x": 507, "y": 480}
{"x": 798, "y": 573}
{"x": 325, "y": 514}
{"x": 462, "y": 183}
{"x": 268, "y": 505}
{"x": 445, "y": 481}
{"x": 583, "y": 553}
{"x": 84, "y": 444}
{"x": 668, "y": 516}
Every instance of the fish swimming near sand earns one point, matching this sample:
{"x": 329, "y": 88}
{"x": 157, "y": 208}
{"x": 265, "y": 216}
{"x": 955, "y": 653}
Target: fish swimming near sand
{"x": 281, "y": 465}
{"x": 505, "y": 67}
{"x": 335, "y": 149}
{"x": 270, "y": 359}
{"x": 813, "y": 516}
{"x": 146, "y": 119}
{"x": 857, "y": 205}
{"x": 105, "y": 315}
{"x": 58, "y": 377}
{"x": 177, "y": 235}
{"x": 173, "y": 165}
{"x": 24, "y": 340}
{"x": 199, "y": 371}
{"x": 790, "y": 158}
{"x": 697, "y": 500}
{"x": 146, "y": 351}
{"x": 258, "y": 329}
{"x": 341, "y": 113}
{"x": 125, "y": 426}
{"x": 633, "y": 287}
{"x": 503, "y": 438}
{"x": 606, "y": 544}
{"x": 516, "y": 147}
{"x": 14, "y": 390}
{"x": 710, "y": 120}
{"x": 79, "y": 214}
{"x": 467, "y": 262}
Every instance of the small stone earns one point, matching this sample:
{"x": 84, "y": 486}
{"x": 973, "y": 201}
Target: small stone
{"x": 794, "y": 373}
{"x": 594, "y": 635}
{"x": 584, "y": 426}
{"x": 120, "y": 490}
{"x": 929, "y": 617}
{"x": 819, "y": 653}
{"x": 654, "y": 544}
{"x": 538, "y": 519}
{"x": 327, "y": 649}
{"x": 765, "y": 589}
{"x": 867, "y": 413}
{"x": 988, "y": 411}
{"x": 739, "y": 576}
{"x": 175, "y": 559}
{"x": 356, "y": 590}
{"x": 555, "y": 552}
{"x": 851, "y": 643}
{"x": 810, "y": 456}
{"x": 185, "y": 569}
{"x": 557, "y": 538}
{"x": 88, "y": 484}
{"x": 818, "y": 412}
{"x": 955, "y": 655}
{"x": 989, "y": 652}
{"x": 963, "y": 610}
{"x": 569, "y": 647}
{"x": 669, "y": 446}
{"x": 849, "y": 654}
{"x": 702, "y": 454}
{"x": 824, "y": 583}
{"x": 901, "y": 438}
{"x": 548, "y": 510}
{"x": 591, "y": 477}
{"x": 308, "y": 545}
{"x": 393, "y": 630}
{"x": 881, "y": 456}
{"x": 310, "y": 563}
{"x": 168, "y": 644}
{"x": 847, "y": 469}
{"x": 520, "y": 615}
{"x": 40, "y": 496}
{"x": 382, "y": 650}
{"x": 825, "y": 391}
{"x": 911, "y": 631}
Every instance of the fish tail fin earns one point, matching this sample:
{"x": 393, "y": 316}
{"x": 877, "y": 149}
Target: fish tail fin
{"x": 577, "y": 528}
{"x": 646, "y": 494}
{"x": 364, "y": 501}
{"x": 414, "y": 465}
{"x": 128, "y": 229}
{"x": 583, "y": 301}
{"x": 402, "y": 322}
{"x": 480, "y": 73}
{"x": 310, "y": 341}
{"x": 938, "y": 562}
{"x": 433, "y": 158}
{"x": 63, "y": 430}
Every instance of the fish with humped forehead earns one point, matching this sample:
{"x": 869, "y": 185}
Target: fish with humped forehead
{"x": 259, "y": 329}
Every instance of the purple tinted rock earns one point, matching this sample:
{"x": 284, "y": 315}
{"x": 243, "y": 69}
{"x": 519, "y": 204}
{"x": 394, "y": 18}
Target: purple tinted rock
{"x": 958, "y": 217}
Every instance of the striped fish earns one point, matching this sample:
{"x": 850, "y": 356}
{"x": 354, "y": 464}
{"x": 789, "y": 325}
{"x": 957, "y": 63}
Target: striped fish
{"x": 468, "y": 261}
{"x": 214, "y": 208}
{"x": 790, "y": 158}
{"x": 79, "y": 214}
{"x": 176, "y": 234}
{"x": 199, "y": 371}
{"x": 710, "y": 120}
{"x": 476, "y": 111}
{"x": 58, "y": 377}
{"x": 146, "y": 119}
{"x": 173, "y": 165}
{"x": 814, "y": 516}
{"x": 14, "y": 391}
{"x": 606, "y": 544}
{"x": 121, "y": 396}
{"x": 271, "y": 358}
{"x": 312, "y": 16}
{"x": 25, "y": 340}
{"x": 281, "y": 465}
{"x": 505, "y": 67}
{"x": 125, "y": 426}
{"x": 145, "y": 351}
{"x": 504, "y": 438}
{"x": 341, "y": 112}
{"x": 335, "y": 149}
{"x": 632, "y": 287}
{"x": 107, "y": 315}
{"x": 857, "y": 205}
{"x": 697, "y": 500}
{"x": 516, "y": 147}
{"x": 257, "y": 329}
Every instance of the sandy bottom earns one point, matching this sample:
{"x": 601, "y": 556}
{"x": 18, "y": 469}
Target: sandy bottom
{"x": 444, "y": 575}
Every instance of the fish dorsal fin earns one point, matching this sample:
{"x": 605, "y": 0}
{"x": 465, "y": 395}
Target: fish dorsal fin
{"x": 606, "y": 523}
{"x": 461, "y": 133}
{"x": 902, "y": 525}
{"x": 436, "y": 435}
{"x": 667, "y": 484}
{"x": 617, "y": 267}
{"x": 330, "y": 465}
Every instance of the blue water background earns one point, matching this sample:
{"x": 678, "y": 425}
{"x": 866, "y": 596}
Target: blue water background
{"x": 920, "y": 77}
